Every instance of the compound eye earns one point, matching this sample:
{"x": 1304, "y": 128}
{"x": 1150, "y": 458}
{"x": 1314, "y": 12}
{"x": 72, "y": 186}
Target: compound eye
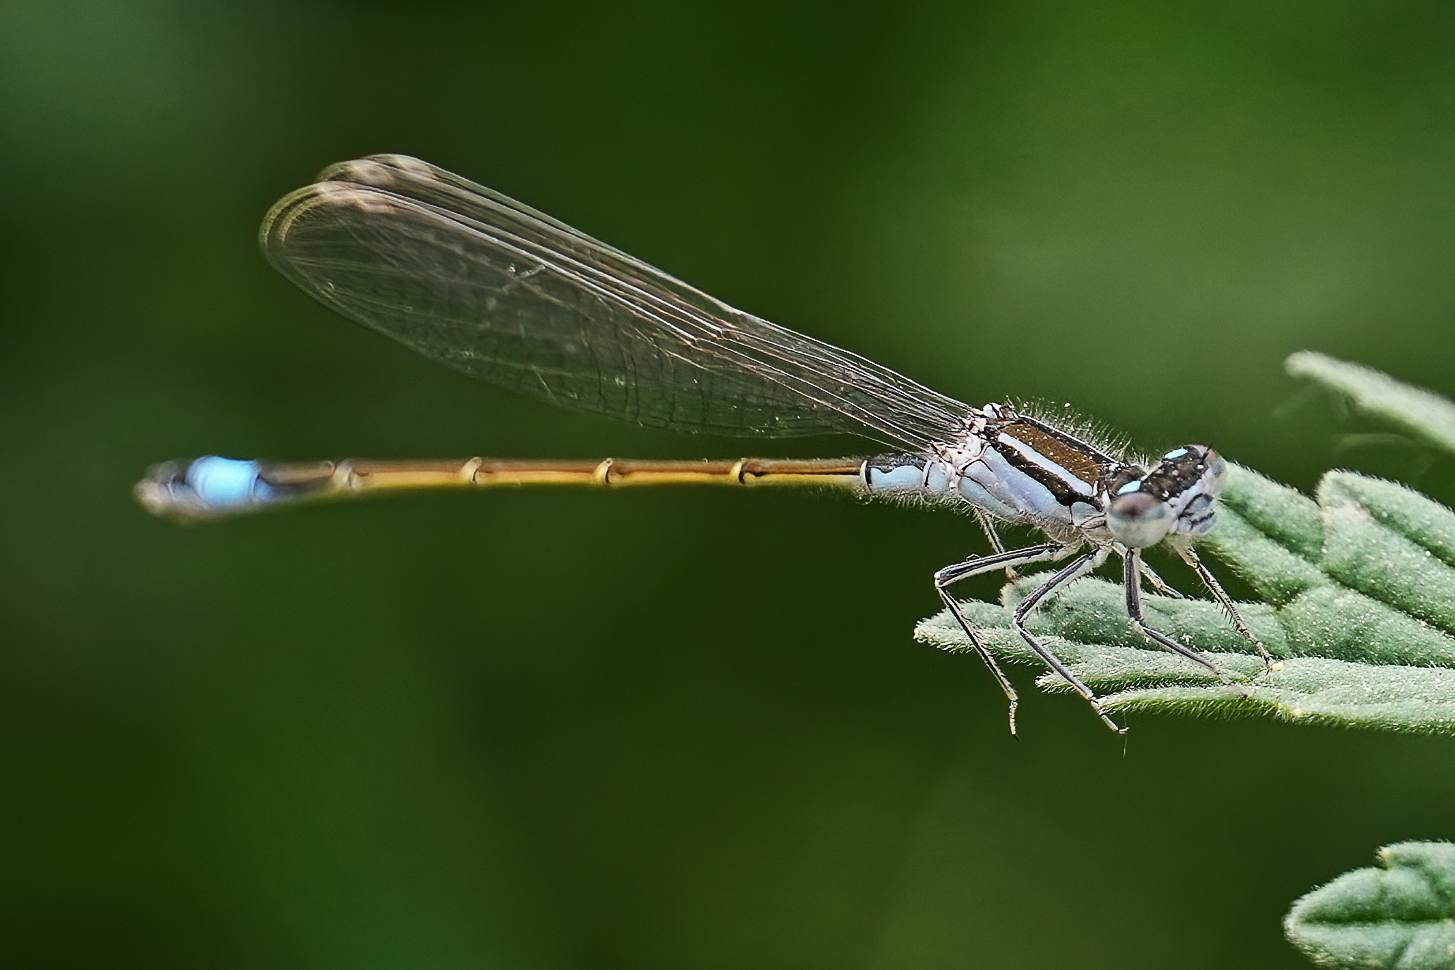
{"x": 1137, "y": 519}
{"x": 1215, "y": 475}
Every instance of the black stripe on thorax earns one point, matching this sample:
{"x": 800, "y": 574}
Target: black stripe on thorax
{"x": 1088, "y": 466}
{"x": 1063, "y": 494}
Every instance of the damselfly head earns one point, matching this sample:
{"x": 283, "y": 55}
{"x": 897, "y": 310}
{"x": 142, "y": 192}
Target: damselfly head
{"x": 1177, "y": 496}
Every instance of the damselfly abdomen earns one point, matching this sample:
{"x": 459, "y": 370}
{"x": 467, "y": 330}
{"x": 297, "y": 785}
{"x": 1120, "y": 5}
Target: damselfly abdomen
{"x": 488, "y": 286}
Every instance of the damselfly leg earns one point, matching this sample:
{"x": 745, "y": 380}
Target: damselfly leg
{"x": 975, "y": 566}
{"x": 1132, "y": 584}
{"x": 1068, "y": 574}
{"x": 993, "y": 537}
{"x": 1226, "y": 602}
{"x": 1160, "y": 585}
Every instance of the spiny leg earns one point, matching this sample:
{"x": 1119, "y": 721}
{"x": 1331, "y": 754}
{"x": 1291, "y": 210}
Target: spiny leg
{"x": 993, "y": 537}
{"x": 1068, "y": 574}
{"x": 984, "y": 564}
{"x": 1158, "y": 583}
{"x": 1131, "y": 583}
{"x": 1226, "y": 602}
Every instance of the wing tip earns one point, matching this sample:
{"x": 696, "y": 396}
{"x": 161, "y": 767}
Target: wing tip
{"x": 359, "y": 182}
{"x": 381, "y": 170}
{"x": 298, "y": 204}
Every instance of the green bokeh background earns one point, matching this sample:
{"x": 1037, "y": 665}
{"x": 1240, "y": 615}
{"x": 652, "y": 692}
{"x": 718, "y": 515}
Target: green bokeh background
{"x": 673, "y": 729}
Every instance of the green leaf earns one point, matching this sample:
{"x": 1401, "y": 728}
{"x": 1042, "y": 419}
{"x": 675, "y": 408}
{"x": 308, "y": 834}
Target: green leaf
{"x": 1088, "y": 629}
{"x": 1359, "y": 605}
{"x": 1419, "y": 412}
{"x": 1400, "y": 915}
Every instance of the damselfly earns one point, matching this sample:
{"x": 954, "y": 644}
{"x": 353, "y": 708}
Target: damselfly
{"x": 490, "y": 287}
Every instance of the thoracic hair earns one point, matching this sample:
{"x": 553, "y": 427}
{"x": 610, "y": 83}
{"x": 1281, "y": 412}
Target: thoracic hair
{"x": 1095, "y": 433}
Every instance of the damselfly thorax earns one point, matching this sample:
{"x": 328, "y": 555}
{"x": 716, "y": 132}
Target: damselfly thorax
{"x": 1020, "y": 469}
{"x": 490, "y": 287}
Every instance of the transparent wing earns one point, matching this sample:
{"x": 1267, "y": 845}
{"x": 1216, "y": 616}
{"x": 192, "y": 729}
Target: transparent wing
{"x": 488, "y": 286}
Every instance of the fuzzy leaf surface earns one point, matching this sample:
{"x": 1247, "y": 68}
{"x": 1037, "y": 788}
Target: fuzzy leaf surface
{"x": 1399, "y": 915}
{"x": 1422, "y": 413}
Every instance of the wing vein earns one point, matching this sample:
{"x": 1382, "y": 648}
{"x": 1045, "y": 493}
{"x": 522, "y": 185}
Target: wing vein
{"x": 491, "y": 287}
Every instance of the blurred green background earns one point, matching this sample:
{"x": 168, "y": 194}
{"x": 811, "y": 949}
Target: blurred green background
{"x": 673, "y": 729}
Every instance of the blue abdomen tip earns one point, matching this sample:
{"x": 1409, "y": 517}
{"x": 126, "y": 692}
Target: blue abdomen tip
{"x": 223, "y": 482}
